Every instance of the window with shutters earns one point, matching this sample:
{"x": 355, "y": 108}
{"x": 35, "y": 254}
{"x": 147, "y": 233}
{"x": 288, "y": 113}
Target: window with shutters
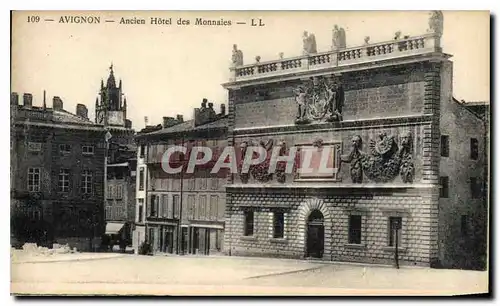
{"x": 119, "y": 192}
{"x": 214, "y": 183}
{"x": 176, "y": 206}
{"x": 214, "y": 202}
{"x": 203, "y": 204}
{"x": 191, "y": 208}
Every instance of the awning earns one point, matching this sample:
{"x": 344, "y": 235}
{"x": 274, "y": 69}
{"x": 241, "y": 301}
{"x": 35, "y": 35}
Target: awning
{"x": 114, "y": 227}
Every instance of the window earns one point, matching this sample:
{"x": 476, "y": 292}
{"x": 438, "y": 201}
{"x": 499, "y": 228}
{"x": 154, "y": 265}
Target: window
{"x": 202, "y": 210}
{"x": 176, "y": 205}
{"x": 191, "y": 204}
{"x": 86, "y": 182}
{"x": 214, "y": 183}
{"x": 474, "y": 148}
{"x": 191, "y": 184}
{"x": 64, "y": 180}
{"x": 445, "y": 146}
{"x": 87, "y": 150}
{"x": 142, "y": 151}
{"x": 34, "y": 179}
{"x": 141, "y": 179}
{"x": 444, "y": 188}
{"x": 119, "y": 192}
{"x": 65, "y": 148}
{"x": 464, "y": 225}
{"x": 214, "y": 201}
{"x": 141, "y": 210}
{"x": 248, "y": 231}
{"x": 152, "y": 203}
{"x": 475, "y": 188}
{"x": 203, "y": 183}
{"x": 34, "y": 146}
{"x": 110, "y": 194}
{"x": 354, "y": 229}
{"x": 395, "y": 224}
{"x": 278, "y": 225}
{"x": 164, "y": 203}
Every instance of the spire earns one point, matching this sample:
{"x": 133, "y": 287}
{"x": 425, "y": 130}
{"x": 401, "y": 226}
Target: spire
{"x": 120, "y": 86}
{"x": 96, "y": 102}
{"x": 111, "y": 79}
{"x": 102, "y": 84}
{"x": 125, "y": 103}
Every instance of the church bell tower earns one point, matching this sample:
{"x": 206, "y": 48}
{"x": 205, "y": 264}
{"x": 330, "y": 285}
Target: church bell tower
{"x": 111, "y": 105}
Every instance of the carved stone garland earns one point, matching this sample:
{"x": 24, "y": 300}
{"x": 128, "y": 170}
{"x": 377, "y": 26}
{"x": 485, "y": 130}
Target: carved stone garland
{"x": 260, "y": 172}
{"x": 385, "y": 161}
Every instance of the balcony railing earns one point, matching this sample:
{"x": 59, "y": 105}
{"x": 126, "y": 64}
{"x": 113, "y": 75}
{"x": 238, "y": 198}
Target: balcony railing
{"x": 427, "y": 43}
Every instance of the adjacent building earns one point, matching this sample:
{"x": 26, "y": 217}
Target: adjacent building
{"x": 57, "y": 174}
{"x": 183, "y": 213}
{"x": 408, "y": 160}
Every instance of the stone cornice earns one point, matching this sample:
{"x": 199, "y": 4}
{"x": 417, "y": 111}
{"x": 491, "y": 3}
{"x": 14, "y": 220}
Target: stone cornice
{"x": 334, "y": 126}
{"x": 62, "y": 126}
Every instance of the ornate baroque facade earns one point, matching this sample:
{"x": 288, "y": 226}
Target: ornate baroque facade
{"x": 382, "y": 109}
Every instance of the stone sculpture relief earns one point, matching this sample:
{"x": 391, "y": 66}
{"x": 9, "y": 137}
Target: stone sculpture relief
{"x": 321, "y": 99}
{"x": 260, "y": 172}
{"x": 407, "y": 168}
{"x": 237, "y": 57}
{"x": 309, "y": 41}
{"x": 384, "y": 162}
{"x": 436, "y": 22}
{"x": 338, "y": 38}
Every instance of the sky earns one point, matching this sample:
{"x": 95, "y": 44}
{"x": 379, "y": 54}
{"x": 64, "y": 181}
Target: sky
{"x": 168, "y": 69}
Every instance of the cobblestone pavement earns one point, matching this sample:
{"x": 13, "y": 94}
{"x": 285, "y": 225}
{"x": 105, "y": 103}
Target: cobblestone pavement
{"x": 167, "y": 275}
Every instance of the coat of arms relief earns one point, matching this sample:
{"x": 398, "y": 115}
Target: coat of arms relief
{"x": 319, "y": 100}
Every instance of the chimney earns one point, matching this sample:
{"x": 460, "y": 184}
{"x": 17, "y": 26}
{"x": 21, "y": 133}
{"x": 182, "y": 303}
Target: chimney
{"x": 128, "y": 124}
{"x": 204, "y": 103}
{"x": 223, "y": 109}
{"x": 14, "y": 98}
{"x": 81, "y": 111}
{"x": 211, "y": 105}
{"x": 57, "y": 103}
{"x": 180, "y": 118}
{"x": 27, "y": 99}
{"x": 168, "y": 122}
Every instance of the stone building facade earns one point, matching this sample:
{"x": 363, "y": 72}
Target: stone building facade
{"x": 381, "y": 110}
{"x": 186, "y": 207}
{"x": 57, "y": 171}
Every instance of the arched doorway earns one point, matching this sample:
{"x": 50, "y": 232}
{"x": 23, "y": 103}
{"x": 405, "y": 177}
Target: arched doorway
{"x": 315, "y": 235}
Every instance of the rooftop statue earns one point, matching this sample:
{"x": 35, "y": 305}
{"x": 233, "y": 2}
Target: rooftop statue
{"x": 309, "y": 41}
{"x": 237, "y": 58}
{"x": 436, "y": 22}
{"x": 338, "y": 38}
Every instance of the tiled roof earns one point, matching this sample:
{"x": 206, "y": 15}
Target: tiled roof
{"x": 63, "y": 116}
{"x": 188, "y": 126}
